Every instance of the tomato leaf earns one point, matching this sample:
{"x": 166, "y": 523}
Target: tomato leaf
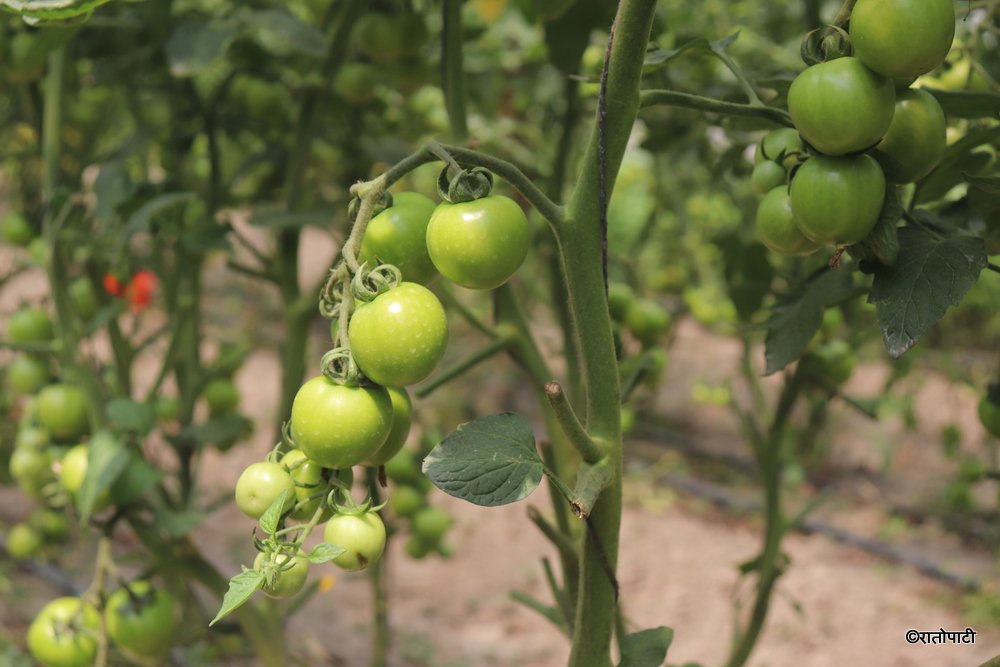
{"x": 324, "y": 552}
{"x": 281, "y": 33}
{"x": 106, "y": 458}
{"x": 882, "y": 243}
{"x": 241, "y": 588}
{"x": 34, "y": 11}
{"x": 271, "y": 517}
{"x": 131, "y": 416}
{"x": 490, "y": 461}
{"x": 646, "y": 648}
{"x": 748, "y": 273}
{"x": 936, "y": 267}
{"x": 967, "y": 104}
{"x": 137, "y": 478}
{"x": 798, "y": 316}
{"x": 195, "y": 44}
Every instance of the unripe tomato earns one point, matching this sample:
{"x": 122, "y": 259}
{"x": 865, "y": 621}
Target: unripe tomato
{"x": 647, "y": 320}
{"x": 339, "y": 426}
{"x": 282, "y": 583}
{"x": 308, "y": 478}
{"x": 73, "y": 470}
{"x": 833, "y": 361}
{"x": 398, "y": 236}
{"x": 841, "y": 106}
{"x": 620, "y": 299}
{"x": 989, "y": 415}
{"x": 402, "y": 417}
{"x": 14, "y": 229}
{"x": 915, "y": 141}
{"x": 430, "y": 524}
{"x": 837, "y": 200}
{"x": 259, "y": 486}
{"x": 416, "y": 548}
{"x": 27, "y": 374}
{"x": 32, "y": 468}
{"x": 222, "y": 396}
{"x": 142, "y": 622}
{"x": 766, "y": 176}
{"x": 53, "y": 525}
{"x": 403, "y": 468}
{"x": 355, "y": 82}
{"x": 81, "y": 293}
{"x": 409, "y": 31}
{"x": 902, "y": 38}
{"x": 23, "y": 541}
{"x": 400, "y": 336}
{"x": 167, "y": 408}
{"x": 375, "y": 36}
{"x": 30, "y": 325}
{"x": 478, "y": 244}
{"x": 784, "y": 142}
{"x": 362, "y": 535}
{"x": 405, "y": 501}
{"x": 64, "y": 634}
{"x": 62, "y": 411}
{"x": 776, "y": 227}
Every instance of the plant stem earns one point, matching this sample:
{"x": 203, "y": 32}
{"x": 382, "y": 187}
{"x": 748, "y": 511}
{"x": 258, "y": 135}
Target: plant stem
{"x": 688, "y": 101}
{"x": 452, "y": 69}
{"x": 380, "y": 593}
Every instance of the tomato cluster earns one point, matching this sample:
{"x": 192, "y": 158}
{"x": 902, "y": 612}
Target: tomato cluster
{"x": 408, "y": 501}
{"x": 858, "y": 129}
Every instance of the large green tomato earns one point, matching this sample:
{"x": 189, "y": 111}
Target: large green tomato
{"x": 989, "y": 415}
{"x": 478, "y": 244}
{"x": 841, "y": 106}
{"x": 142, "y": 622}
{"x": 61, "y": 409}
{"x": 27, "y": 374}
{"x": 784, "y": 142}
{"x": 398, "y": 236}
{"x": 308, "y": 478}
{"x": 259, "y": 486}
{"x": 339, "y": 426}
{"x": 362, "y": 535}
{"x": 916, "y": 138}
{"x": 400, "y": 336}
{"x": 30, "y": 325}
{"x": 282, "y": 583}
{"x": 902, "y": 38}
{"x": 776, "y": 227}
{"x": 837, "y": 200}
{"x": 64, "y": 634}
{"x": 402, "y": 417}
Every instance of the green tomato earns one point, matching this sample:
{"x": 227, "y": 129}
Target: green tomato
{"x": 837, "y": 200}
{"x": 339, "y": 426}
{"x": 23, "y": 541}
{"x": 27, "y": 374}
{"x": 308, "y": 478}
{"x": 14, "y": 229}
{"x": 402, "y": 417}
{"x": 282, "y": 581}
{"x": 785, "y": 143}
{"x": 64, "y": 634}
{"x": 409, "y": 32}
{"x": 362, "y": 535}
{"x": 766, "y": 176}
{"x": 416, "y": 548}
{"x": 403, "y": 468}
{"x": 51, "y": 524}
{"x": 902, "y": 38}
{"x": 915, "y": 141}
{"x": 841, "y": 106}
{"x": 62, "y": 411}
{"x": 167, "y": 408}
{"x": 620, "y": 299}
{"x": 356, "y": 82}
{"x": 405, "y": 501}
{"x": 73, "y": 470}
{"x": 398, "y": 236}
{"x": 31, "y": 437}
{"x": 989, "y": 416}
{"x": 259, "y": 486}
{"x": 375, "y": 35}
{"x": 776, "y": 227}
{"x": 833, "y": 361}
{"x": 399, "y": 337}
{"x": 221, "y": 396}
{"x": 478, "y": 244}
{"x": 647, "y": 320}
{"x": 32, "y": 468}
{"x": 81, "y": 293}
{"x": 142, "y": 621}
{"x": 30, "y": 325}
{"x": 430, "y": 524}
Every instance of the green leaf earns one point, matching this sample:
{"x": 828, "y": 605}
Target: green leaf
{"x": 934, "y": 271}
{"x": 141, "y": 220}
{"x": 241, "y": 588}
{"x": 131, "y": 416}
{"x": 324, "y": 552}
{"x": 291, "y": 219}
{"x": 490, "y": 461}
{"x": 112, "y": 188}
{"x": 647, "y": 648}
{"x": 106, "y": 458}
{"x": 195, "y": 44}
{"x": 549, "y": 612}
{"x": 959, "y": 159}
{"x": 51, "y": 10}
{"x": 748, "y": 273}
{"x": 271, "y": 517}
{"x": 281, "y": 33}
{"x": 136, "y": 479}
{"x": 967, "y": 104}
{"x": 882, "y": 243}
{"x": 568, "y": 36}
{"x": 178, "y": 523}
{"x": 798, "y": 316}
{"x": 221, "y": 430}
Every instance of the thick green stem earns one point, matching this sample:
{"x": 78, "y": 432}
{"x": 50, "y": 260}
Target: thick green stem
{"x": 452, "y": 70}
{"x": 581, "y": 243}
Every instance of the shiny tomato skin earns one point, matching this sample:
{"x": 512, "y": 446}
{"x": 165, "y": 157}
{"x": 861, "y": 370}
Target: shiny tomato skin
{"x": 916, "y": 139}
{"x": 64, "y": 634}
{"x": 402, "y": 418}
{"x": 361, "y": 535}
{"x": 837, "y": 200}
{"x": 259, "y": 486}
{"x": 776, "y": 226}
{"x": 841, "y": 106}
{"x": 143, "y": 622}
{"x": 902, "y": 38}
{"x": 398, "y": 236}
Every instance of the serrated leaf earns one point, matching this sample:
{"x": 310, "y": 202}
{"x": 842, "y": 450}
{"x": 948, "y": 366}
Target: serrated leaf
{"x": 647, "y": 648}
{"x": 324, "y": 552}
{"x": 131, "y": 416}
{"x": 241, "y": 588}
{"x": 281, "y": 33}
{"x": 195, "y": 44}
{"x": 106, "y": 458}
{"x": 490, "y": 461}
{"x": 934, "y": 272}
{"x": 882, "y": 243}
{"x": 798, "y": 317}
{"x": 271, "y": 517}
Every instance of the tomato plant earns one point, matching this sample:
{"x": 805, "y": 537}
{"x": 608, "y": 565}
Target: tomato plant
{"x": 478, "y": 244}
{"x": 837, "y": 200}
{"x": 141, "y": 618}
{"x": 361, "y": 534}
